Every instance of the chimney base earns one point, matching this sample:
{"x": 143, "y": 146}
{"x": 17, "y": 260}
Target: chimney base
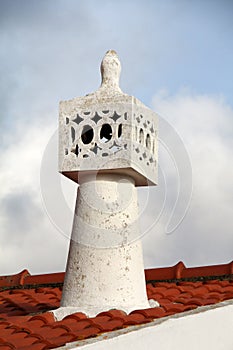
{"x": 105, "y": 264}
{"x": 64, "y": 311}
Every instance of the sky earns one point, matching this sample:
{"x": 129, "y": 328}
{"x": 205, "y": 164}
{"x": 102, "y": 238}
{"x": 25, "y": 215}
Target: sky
{"x": 176, "y": 58}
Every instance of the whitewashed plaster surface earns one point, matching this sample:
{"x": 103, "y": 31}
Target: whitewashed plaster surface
{"x": 202, "y": 329}
{"x": 108, "y": 144}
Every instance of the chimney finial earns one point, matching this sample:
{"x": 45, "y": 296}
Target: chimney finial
{"x": 110, "y": 71}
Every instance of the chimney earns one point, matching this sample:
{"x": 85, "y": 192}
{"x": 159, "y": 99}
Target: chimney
{"x": 108, "y": 145}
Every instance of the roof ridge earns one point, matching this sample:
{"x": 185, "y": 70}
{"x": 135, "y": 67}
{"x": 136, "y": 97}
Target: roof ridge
{"x": 24, "y": 278}
{"x": 176, "y": 272}
{"x": 180, "y": 271}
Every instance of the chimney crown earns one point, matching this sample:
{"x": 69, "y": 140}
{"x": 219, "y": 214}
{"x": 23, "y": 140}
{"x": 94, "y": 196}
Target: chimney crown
{"x": 108, "y": 130}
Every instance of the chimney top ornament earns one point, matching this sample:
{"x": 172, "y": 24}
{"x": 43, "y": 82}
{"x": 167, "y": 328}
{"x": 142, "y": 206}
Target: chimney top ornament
{"x": 108, "y": 129}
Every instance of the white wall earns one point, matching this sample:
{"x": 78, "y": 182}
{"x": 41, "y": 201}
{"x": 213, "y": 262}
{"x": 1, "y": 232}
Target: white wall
{"x": 209, "y": 329}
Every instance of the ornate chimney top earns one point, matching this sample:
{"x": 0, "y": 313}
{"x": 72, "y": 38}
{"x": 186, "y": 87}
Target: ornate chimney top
{"x": 108, "y": 129}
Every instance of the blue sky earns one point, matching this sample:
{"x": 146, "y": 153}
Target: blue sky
{"x": 176, "y": 57}
{"x": 178, "y": 43}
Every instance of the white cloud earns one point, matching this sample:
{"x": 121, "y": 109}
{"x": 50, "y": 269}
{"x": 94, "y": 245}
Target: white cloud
{"x": 29, "y": 239}
{"x": 205, "y": 236}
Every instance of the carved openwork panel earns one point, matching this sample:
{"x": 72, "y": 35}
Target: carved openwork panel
{"x": 144, "y": 150}
{"x": 95, "y": 133}
{"x": 91, "y": 139}
{"x": 145, "y": 138}
{"x": 109, "y": 137}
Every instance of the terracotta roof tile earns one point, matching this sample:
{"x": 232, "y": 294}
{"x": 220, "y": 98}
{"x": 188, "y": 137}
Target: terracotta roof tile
{"x": 86, "y": 333}
{"x": 113, "y": 314}
{"x": 150, "y": 313}
{"x": 62, "y": 340}
{"x": 13, "y": 280}
{"x": 5, "y": 345}
{"x": 25, "y": 301}
{"x": 134, "y": 319}
{"x": 76, "y": 316}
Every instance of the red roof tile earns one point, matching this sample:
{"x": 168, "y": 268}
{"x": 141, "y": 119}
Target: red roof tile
{"x": 25, "y": 301}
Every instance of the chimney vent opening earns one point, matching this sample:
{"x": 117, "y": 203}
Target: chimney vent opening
{"x": 105, "y": 133}
{"x": 87, "y": 134}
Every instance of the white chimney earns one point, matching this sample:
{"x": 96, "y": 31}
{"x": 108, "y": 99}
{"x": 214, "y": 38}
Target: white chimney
{"x": 108, "y": 145}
